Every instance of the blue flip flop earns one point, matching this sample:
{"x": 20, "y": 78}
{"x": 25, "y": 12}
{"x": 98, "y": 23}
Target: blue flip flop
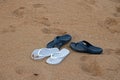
{"x": 59, "y": 41}
{"x": 86, "y": 47}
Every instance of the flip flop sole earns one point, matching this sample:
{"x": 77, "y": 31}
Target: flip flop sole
{"x": 58, "y": 57}
{"x": 59, "y": 41}
{"x": 85, "y": 47}
{"x": 38, "y": 54}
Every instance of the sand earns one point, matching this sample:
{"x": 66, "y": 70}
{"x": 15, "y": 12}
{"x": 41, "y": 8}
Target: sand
{"x": 29, "y": 24}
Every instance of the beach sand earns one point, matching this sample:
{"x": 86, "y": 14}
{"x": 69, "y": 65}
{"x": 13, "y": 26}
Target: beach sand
{"x": 29, "y": 24}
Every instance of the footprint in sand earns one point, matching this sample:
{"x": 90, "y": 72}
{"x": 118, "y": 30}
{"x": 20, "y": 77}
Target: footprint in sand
{"x": 101, "y": 66}
{"x": 117, "y": 13}
{"x": 53, "y": 31}
{"x": 118, "y": 9}
{"x": 92, "y": 68}
{"x": 110, "y": 21}
{"x": 42, "y": 20}
{"x": 19, "y": 12}
{"x": 111, "y": 24}
{"x": 11, "y": 28}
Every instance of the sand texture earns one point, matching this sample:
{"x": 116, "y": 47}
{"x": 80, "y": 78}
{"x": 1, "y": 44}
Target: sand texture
{"x": 29, "y": 24}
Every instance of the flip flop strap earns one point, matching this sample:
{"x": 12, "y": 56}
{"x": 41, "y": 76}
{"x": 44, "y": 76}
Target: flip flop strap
{"x": 87, "y": 43}
{"x": 84, "y": 43}
{"x": 53, "y": 57}
{"x": 56, "y": 40}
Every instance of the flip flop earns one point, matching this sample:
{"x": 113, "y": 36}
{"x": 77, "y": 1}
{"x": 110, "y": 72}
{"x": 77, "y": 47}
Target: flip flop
{"x": 38, "y": 54}
{"x": 59, "y": 41}
{"x": 86, "y": 47}
{"x": 58, "y": 57}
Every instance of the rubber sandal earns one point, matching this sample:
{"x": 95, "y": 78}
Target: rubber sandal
{"x": 38, "y": 54}
{"x": 86, "y": 47}
{"x": 58, "y": 57}
{"x": 59, "y": 41}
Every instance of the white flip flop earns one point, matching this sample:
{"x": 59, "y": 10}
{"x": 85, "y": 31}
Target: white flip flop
{"x": 58, "y": 57}
{"x": 38, "y": 54}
